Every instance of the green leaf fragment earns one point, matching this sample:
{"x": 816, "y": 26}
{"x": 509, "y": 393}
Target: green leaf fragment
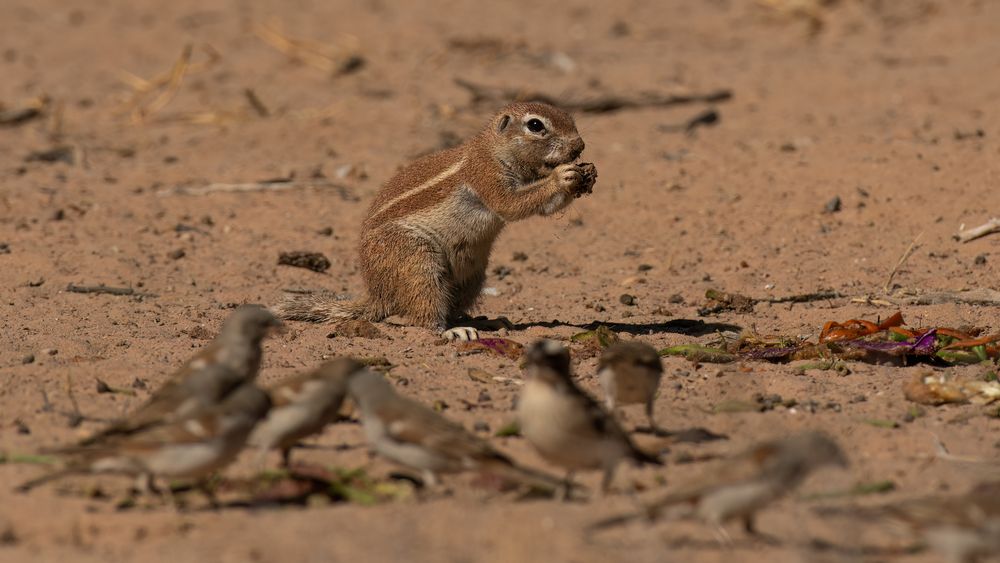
{"x": 511, "y": 429}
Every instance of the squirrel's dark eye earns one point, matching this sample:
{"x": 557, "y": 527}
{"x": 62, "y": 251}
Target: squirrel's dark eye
{"x": 535, "y": 125}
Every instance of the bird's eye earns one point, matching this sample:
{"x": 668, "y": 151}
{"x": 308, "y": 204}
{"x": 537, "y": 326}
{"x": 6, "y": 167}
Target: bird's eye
{"x": 535, "y": 125}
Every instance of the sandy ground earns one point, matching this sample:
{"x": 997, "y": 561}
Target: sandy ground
{"x": 888, "y": 105}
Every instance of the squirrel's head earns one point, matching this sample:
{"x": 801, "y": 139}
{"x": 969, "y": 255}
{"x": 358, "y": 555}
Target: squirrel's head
{"x": 530, "y": 139}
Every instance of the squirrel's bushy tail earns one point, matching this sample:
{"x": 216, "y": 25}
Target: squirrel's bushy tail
{"x": 325, "y": 307}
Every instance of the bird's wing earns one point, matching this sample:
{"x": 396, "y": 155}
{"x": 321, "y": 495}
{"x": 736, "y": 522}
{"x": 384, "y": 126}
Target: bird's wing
{"x": 414, "y": 423}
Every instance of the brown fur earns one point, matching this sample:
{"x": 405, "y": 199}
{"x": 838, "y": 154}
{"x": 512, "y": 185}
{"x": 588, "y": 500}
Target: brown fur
{"x": 426, "y": 240}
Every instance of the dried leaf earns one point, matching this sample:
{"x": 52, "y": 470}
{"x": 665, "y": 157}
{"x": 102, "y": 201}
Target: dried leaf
{"x": 595, "y": 341}
{"x": 480, "y": 376}
{"x": 938, "y": 389}
{"x": 501, "y": 346}
{"x": 699, "y": 353}
{"x": 720, "y": 301}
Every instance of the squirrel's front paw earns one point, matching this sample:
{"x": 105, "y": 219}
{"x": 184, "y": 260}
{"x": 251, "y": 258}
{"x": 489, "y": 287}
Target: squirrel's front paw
{"x": 577, "y": 179}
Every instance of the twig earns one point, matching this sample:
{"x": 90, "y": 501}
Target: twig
{"x": 344, "y": 191}
{"x": 257, "y": 105}
{"x": 982, "y": 296}
{"x": 806, "y": 297}
{"x": 902, "y": 259}
{"x": 987, "y": 228}
{"x": 18, "y": 116}
{"x": 594, "y": 104}
{"x": 103, "y": 289}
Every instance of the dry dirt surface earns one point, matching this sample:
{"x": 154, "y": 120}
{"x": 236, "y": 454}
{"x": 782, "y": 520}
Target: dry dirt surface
{"x": 120, "y": 180}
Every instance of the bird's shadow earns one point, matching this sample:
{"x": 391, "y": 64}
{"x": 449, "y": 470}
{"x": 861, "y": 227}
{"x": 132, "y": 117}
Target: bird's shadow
{"x": 690, "y": 327}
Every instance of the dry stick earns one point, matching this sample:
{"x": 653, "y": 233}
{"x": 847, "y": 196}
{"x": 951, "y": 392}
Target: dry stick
{"x": 257, "y": 105}
{"x": 104, "y": 289}
{"x": 345, "y": 192}
{"x": 902, "y": 259}
{"x": 981, "y": 296}
{"x": 806, "y": 297}
{"x": 987, "y": 228}
{"x": 594, "y": 104}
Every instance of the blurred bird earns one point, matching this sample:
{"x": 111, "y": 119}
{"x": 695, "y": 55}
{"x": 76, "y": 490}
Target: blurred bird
{"x": 192, "y": 448}
{"x": 739, "y": 486}
{"x": 962, "y": 528}
{"x": 630, "y": 373}
{"x": 303, "y": 405}
{"x": 411, "y": 434}
{"x": 565, "y": 425}
{"x": 207, "y": 378}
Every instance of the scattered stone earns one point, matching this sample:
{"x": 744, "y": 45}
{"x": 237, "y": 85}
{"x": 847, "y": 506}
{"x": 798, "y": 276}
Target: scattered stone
{"x": 62, "y": 153}
{"x": 627, "y": 299}
{"x": 481, "y": 426}
{"x": 22, "y": 428}
{"x": 325, "y": 231}
{"x": 676, "y": 299}
{"x": 59, "y": 215}
{"x": 301, "y": 259}
{"x": 176, "y": 254}
{"x": 50, "y": 351}
{"x": 963, "y": 135}
{"x": 502, "y": 271}
{"x": 8, "y": 537}
{"x": 29, "y": 359}
{"x": 519, "y": 257}
{"x": 4, "y": 248}
{"x": 832, "y": 206}
{"x": 980, "y": 260}
{"x": 645, "y": 267}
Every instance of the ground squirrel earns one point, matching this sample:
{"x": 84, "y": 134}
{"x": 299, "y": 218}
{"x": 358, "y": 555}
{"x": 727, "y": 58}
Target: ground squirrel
{"x": 426, "y": 240}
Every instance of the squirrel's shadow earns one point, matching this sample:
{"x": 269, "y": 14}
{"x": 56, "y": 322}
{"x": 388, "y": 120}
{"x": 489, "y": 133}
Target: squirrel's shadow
{"x": 691, "y": 327}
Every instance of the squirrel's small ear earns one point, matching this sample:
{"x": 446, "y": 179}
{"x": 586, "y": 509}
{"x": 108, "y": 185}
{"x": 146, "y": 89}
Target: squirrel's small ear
{"x": 503, "y": 123}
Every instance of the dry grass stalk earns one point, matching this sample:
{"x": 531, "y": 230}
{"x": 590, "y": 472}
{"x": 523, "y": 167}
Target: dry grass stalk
{"x": 151, "y": 96}
{"x": 327, "y": 58}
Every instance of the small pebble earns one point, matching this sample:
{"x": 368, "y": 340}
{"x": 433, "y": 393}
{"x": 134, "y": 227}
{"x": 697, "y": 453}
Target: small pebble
{"x": 481, "y": 426}
{"x": 176, "y": 254}
{"x": 980, "y": 260}
{"x": 833, "y": 205}
{"x": 627, "y": 299}
{"x": 676, "y": 298}
{"x": 30, "y": 358}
